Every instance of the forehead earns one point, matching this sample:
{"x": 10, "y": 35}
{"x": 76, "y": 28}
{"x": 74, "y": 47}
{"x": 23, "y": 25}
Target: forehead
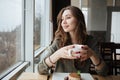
{"x": 67, "y": 13}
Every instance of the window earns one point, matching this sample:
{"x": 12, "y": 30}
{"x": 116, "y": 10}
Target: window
{"x": 10, "y": 33}
{"x": 37, "y": 26}
{"x": 42, "y": 27}
{"x": 24, "y": 30}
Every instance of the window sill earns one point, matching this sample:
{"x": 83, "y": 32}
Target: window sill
{"x": 39, "y": 51}
{"x": 16, "y": 72}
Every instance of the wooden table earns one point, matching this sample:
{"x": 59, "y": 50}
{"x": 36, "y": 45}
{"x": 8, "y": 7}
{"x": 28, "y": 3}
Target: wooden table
{"x": 32, "y": 76}
{"x": 36, "y": 76}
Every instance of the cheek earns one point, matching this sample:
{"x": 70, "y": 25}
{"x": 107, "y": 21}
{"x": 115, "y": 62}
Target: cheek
{"x": 73, "y": 22}
{"x": 73, "y": 25}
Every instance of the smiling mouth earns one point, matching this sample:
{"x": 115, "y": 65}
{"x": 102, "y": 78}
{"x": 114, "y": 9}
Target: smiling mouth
{"x": 65, "y": 27}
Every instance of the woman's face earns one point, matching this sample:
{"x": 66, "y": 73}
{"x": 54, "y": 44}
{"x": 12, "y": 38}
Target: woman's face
{"x": 69, "y": 22}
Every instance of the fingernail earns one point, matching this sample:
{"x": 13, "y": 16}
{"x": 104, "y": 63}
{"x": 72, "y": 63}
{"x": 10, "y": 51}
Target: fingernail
{"x": 82, "y": 47}
{"x": 77, "y": 52}
{"x": 77, "y": 57}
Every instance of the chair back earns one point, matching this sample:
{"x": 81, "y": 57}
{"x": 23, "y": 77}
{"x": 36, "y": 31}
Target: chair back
{"x": 107, "y": 52}
{"x": 117, "y": 58}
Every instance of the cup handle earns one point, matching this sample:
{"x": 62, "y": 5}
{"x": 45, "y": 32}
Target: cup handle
{"x": 70, "y": 52}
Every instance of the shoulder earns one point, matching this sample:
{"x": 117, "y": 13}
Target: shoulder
{"x": 55, "y": 44}
{"x": 56, "y": 41}
{"x": 90, "y": 40}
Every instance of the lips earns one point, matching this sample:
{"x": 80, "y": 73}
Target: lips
{"x": 65, "y": 27}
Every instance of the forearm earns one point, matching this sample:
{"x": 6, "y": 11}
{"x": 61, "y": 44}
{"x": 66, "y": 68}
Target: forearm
{"x": 100, "y": 67}
{"x": 99, "y": 63}
{"x": 45, "y": 66}
{"x": 52, "y": 59}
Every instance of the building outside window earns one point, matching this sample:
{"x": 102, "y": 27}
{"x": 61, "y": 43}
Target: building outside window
{"x": 10, "y": 33}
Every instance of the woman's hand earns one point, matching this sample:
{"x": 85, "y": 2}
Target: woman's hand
{"x": 63, "y": 52}
{"x": 60, "y": 53}
{"x": 85, "y": 53}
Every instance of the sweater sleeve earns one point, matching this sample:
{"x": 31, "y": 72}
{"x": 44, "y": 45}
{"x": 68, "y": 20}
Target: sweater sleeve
{"x": 94, "y": 45}
{"x": 42, "y": 66}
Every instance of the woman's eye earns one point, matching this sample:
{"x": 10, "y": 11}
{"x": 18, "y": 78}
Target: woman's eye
{"x": 65, "y": 18}
{"x": 68, "y": 17}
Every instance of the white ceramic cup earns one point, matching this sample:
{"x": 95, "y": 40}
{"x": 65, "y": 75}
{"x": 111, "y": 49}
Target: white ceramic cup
{"x": 76, "y": 48}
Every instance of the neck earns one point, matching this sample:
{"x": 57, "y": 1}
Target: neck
{"x": 73, "y": 38}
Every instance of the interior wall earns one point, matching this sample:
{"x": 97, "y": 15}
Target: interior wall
{"x": 97, "y": 19}
{"x": 97, "y": 11}
{"x": 75, "y": 3}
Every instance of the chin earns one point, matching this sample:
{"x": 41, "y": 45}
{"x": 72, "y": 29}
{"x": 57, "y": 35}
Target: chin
{"x": 66, "y": 30}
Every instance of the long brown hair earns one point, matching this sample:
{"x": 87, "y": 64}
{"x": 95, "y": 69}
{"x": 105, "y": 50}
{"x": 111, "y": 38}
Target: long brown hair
{"x": 80, "y": 30}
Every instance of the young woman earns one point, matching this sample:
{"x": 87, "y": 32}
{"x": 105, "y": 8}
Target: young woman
{"x": 71, "y": 30}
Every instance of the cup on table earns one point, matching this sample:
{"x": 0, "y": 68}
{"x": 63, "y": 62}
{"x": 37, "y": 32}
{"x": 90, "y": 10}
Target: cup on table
{"x": 75, "y": 51}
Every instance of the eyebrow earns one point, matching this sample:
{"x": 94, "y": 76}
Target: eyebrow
{"x": 67, "y": 15}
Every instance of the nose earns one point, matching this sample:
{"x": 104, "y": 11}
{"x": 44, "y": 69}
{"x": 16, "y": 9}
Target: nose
{"x": 64, "y": 21}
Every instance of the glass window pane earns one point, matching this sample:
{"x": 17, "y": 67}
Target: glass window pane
{"x": 37, "y": 24}
{"x": 10, "y": 33}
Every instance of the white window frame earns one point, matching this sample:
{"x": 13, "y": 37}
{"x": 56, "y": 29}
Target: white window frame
{"x": 29, "y": 24}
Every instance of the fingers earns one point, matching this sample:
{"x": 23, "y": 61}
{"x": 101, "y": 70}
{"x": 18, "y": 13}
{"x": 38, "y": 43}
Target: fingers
{"x": 85, "y": 47}
{"x": 69, "y": 47}
{"x": 74, "y": 55}
{"x": 66, "y": 55}
{"x": 84, "y": 50}
{"x": 83, "y": 53}
{"x": 85, "y": 57}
